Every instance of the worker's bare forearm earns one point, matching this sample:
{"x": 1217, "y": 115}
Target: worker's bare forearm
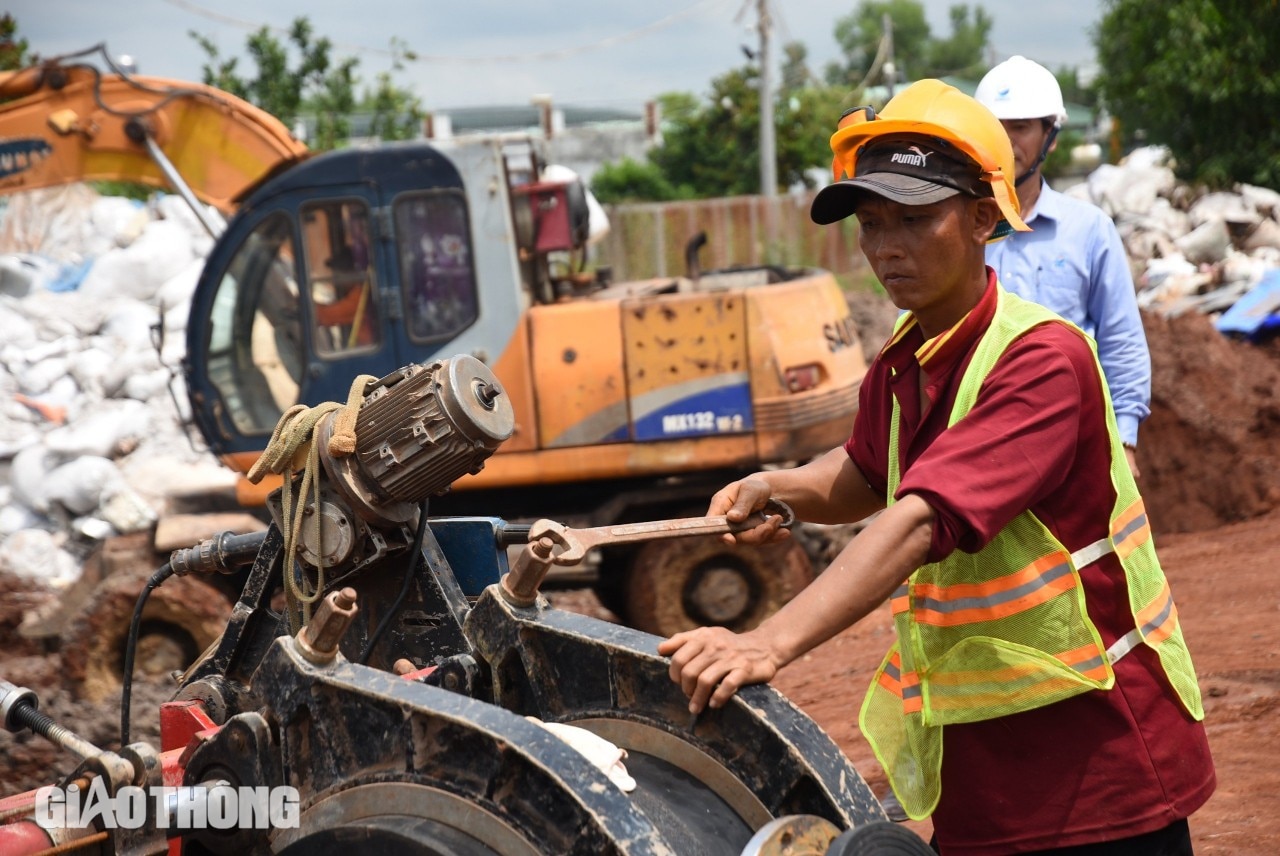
{"x": 861, "y": 578}
{"x": 829, "y": 489}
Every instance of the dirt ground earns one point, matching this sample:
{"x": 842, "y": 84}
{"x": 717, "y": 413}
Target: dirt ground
{"x": 1210, "y": 456}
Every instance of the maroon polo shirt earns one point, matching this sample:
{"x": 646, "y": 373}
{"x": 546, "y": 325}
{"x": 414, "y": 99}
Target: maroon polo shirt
{"x": 1099, "y": 766}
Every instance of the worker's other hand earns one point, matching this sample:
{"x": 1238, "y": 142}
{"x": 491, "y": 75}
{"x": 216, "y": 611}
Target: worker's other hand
{"x": 740, "y": 499}
{"x": 711, "y": 664}
{"x": 1131, "y": 455}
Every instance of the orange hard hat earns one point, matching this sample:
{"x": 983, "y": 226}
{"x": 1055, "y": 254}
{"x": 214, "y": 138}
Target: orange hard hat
{"x": 931, "y": 108}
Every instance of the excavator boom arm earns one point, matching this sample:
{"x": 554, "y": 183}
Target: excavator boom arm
{"x": 67, "y": 121}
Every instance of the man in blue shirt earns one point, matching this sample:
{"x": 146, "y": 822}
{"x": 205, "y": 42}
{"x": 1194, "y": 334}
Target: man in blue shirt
{"x": 1072, "y": 261}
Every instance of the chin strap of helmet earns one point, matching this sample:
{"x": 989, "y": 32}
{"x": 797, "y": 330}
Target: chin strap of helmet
{"x": 1044, "y": 153}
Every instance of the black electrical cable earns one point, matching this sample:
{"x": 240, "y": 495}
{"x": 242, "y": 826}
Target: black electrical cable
{"x": 415, "y": 556}
{"x": 163, "y": 573}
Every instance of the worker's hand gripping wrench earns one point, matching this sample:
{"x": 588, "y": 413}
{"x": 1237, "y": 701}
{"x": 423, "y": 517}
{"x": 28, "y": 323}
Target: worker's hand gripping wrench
{"x": 552, "y": 543}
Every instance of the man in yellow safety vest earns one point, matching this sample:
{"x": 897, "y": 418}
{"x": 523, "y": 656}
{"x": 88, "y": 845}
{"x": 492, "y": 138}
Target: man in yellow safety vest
{"x": 1040, "y": 697}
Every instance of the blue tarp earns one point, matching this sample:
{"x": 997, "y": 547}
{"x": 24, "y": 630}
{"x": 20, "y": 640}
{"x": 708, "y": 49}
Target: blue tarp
{"x": 1257, "y": 314}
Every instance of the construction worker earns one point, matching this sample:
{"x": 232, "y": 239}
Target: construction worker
{"x": 1072, "y": 260}
{"x": 1038, "y": 643}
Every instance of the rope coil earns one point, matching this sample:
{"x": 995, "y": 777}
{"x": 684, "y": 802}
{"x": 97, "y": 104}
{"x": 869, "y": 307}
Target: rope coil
{"x": 294, "y": 445}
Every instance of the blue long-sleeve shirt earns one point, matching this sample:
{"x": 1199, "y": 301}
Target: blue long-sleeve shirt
{"x": 1074, "y": 263}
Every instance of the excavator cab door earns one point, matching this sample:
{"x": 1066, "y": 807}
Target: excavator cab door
{"x": 291, "y": 307}
{"x": 357, "y": 262}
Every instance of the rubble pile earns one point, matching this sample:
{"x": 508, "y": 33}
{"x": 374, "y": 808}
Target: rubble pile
{"x": 1189, "y": 249}
{"x": 94, "y": 293}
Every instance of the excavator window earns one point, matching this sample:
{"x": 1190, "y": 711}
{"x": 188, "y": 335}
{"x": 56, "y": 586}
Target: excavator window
{"x": 255, "y": 338}
{"x": 436, "y": 264}
{"x": 340, "y": 277}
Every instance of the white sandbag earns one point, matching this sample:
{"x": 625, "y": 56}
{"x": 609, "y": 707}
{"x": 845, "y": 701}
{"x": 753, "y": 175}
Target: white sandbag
{"x": 1241, "y": 267}
{"x": 129, "y": 322}
{"x": 38, "y": 377}
{"x": 49, "y": 349}
{"x": 1158, "y": 270}
{"x": 146, "y": 385}
{"x": 27, "y": 474}
{"x": 18, "y": 331}
{"x": 116, "y": 222}
{"x": 1138, "y": 190}
{"x": 138, "y": 271}
{"x": 81, "y": 485}
{"x": 15, "y": 517}
{"x": 1229, "y": 207}
{"x": 16, "y": 431}
{"x": 1101, "y": 184}
{"x": 36, "y": 554}
{"x": 63, "y": 314}
{"x": 1165, "y": 218}
{"x": 1265, "y": 235}
{"x": 89, "y": 366}
{"x": 177, "y": 290}
{"x": 131, "y": 363}
{"x": 66, "y": 394}
{"x": 1148, "y": 156}
{"x": 175, "y": 208}
{"x": 109, "y": 429}
{"x": 1263, "y": 199}
{"x": 1205, "y": 244}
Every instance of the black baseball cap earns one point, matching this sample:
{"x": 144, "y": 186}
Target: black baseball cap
{"x": 912, "y": 169}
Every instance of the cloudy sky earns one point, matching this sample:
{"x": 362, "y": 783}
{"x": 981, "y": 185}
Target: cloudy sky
{"x": 474, "y": 52}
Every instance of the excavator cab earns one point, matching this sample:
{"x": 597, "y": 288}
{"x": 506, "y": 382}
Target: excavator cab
{"x": 340, "y": 267}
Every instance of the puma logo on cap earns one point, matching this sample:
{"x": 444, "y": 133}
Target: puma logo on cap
{"x": 917, "y": 159}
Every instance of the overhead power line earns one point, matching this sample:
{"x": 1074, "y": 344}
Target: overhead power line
{"x": 537, "y": 56}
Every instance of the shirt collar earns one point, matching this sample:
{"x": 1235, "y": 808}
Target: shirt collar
{"x": 936, "y": 354}
{"x": 1048, "y": 204}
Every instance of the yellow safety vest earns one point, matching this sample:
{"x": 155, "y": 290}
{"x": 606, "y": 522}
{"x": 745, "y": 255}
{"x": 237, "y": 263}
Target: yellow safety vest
{"x": 1005, "y": 629}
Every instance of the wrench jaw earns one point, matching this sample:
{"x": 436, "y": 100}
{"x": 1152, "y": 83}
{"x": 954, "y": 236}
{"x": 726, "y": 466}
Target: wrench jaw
{"x": 520, "y": 586}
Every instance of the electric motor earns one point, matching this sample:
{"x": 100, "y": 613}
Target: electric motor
{"x": 419, "y": 430}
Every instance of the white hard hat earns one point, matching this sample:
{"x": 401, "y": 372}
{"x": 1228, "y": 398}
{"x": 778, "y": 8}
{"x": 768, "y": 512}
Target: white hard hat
{"x": 1021, "y": 89}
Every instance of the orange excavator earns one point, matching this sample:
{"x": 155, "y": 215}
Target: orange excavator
{"x": 632, "y": 400}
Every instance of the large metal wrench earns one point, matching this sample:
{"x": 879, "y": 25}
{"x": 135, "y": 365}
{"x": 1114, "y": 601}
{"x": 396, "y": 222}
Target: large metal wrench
{"x": 552, "y": 543}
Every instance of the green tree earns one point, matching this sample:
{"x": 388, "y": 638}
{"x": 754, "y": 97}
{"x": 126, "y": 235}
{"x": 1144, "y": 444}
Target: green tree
{"x": 316, "y": 83}
{"x": 916, "y": 52}
{"x": 1201, "y": 77}
{"x": 1073, "y": 90}
{"x": 712, "y": 149}
{"x": 13, "y": 49}
{"x": 961, "y": 54}
{"x": 859, "y": 33}
{"x": 630, "y": 180}
{"x": 397, "y": 112}
{"x": 795, "y": 68}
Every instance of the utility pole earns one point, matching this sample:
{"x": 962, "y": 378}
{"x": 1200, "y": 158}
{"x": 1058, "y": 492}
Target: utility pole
{"x": 890, "y": 69}
{"x": 768, "y": 147}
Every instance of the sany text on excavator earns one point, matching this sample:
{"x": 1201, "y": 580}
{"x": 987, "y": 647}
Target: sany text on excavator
{"x": 632, "y": 400}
